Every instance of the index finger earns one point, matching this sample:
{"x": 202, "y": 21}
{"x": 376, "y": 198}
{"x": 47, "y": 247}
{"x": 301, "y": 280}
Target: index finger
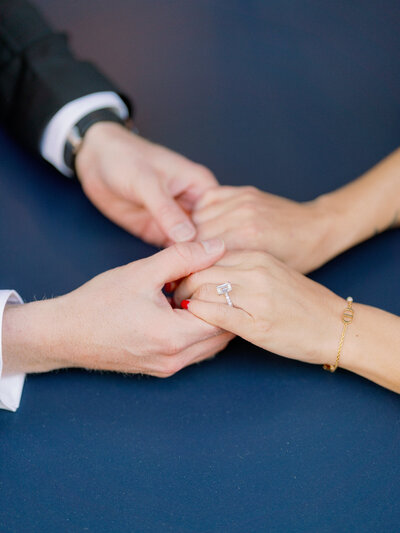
{"x": 192, "y": 329}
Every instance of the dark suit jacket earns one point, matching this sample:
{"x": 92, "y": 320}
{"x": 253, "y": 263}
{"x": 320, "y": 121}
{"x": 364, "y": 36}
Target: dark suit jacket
{"x": 38, "y": 73}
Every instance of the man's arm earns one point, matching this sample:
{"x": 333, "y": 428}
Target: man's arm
{"x": 108, "y": 324}
{"x": 11, "y": 384}
{"x": 38, "y": 73}
{"x": 45, "y": 91}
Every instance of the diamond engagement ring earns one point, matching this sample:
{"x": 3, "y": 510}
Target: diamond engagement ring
{"x": 224, "y": 289}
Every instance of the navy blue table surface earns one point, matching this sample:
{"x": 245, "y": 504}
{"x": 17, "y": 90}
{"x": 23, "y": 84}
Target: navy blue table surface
{"x": 296, "y": 97}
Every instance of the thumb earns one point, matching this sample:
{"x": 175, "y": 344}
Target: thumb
{"x": 183, "y": 259}
{"x": 170, "y": 217}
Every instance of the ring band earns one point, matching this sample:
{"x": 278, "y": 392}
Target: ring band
{"x": 225, "y": 289}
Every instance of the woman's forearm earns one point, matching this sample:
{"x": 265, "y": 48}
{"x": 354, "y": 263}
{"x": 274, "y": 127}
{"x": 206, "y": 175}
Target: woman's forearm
{"x": 366, "y": 206}
{"x": 372, "y": 346}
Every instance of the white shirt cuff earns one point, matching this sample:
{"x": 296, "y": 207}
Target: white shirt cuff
{"x": 10, "y": 385}
{"x": 56, "y": 132}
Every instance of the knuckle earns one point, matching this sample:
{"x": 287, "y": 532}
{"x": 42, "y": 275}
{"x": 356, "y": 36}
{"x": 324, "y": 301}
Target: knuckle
{"x": 172, "y": 347}
{"x": 186, "y": 289}
{"x": 203, "y": 292}
{"x": 269, "y": 261}
{"x": 163, "y": 374}
{"x": 260, "y": 275}
{"x": 256, "y": 258}
{"x": 250, "y": 190}
{"x": 193, "y": 280}
{"x": 158, "y": 374}
{"x": 208, "y": 196}
{"x": 205, "y": 173}
{"x": 164, "y": 210}
{"x": 260, "y": 270}
{"x": 247, "y": 204}
{"x": 251, "y": 230}
{"x": 184, "y": 251}
{"x": 247, "y": 209}
{"x": 250, "y": 193}
{"x": 171, "y": 366}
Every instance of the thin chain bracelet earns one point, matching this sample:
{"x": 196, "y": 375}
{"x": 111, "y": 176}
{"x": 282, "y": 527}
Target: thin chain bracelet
{"x": 347, "y": 319}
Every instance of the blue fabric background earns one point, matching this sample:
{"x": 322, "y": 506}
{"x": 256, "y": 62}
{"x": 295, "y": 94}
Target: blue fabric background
{"x": 296, "y": 97}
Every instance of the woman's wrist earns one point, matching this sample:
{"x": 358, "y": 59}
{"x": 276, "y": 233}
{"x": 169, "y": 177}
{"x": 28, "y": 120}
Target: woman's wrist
{"x": 372, "y": 346}
{"x": 364, "y": 207}
{"x": 336, "y": 232}
{"x": 33, "y": 337}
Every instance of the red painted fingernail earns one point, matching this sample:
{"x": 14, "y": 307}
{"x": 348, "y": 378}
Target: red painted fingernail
{"x": 185, "y": 304}
{"x": 170, "y": 286}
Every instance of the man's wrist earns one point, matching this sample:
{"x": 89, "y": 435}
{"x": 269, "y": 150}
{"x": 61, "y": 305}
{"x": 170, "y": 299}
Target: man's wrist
{"x": 52, "y": 144}
{"x": 33, "y": 339}
{"x": 102, "y": 133}
{"x": 98, "y": 139}
{"x": 77, "y": 134}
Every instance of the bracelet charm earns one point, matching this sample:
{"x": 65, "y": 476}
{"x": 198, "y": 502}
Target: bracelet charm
{"x": 347, "y": 319}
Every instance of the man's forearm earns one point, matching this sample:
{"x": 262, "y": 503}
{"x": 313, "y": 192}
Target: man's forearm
{"x": 30, "y": 46}
{"x": 32, "y": 338}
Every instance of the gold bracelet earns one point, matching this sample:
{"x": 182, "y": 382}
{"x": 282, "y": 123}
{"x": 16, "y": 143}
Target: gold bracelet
{"x": 347, "y": 319}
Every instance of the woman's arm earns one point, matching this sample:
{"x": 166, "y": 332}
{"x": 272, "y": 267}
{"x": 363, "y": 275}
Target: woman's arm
{"x": 304, "y": 235}
{"x": 372, "y": 346}
{"x": 283, "y": 311}
{"x": 366, "y": 206}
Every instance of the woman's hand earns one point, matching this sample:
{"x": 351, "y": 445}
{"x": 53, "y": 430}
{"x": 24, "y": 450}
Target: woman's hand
{"x": 120, "y": 320}
{"x": 274, "y": 306}
{"x": 300, "y": 234}
{"x": 304, "y": 235}
{"x": 285, "y": 312}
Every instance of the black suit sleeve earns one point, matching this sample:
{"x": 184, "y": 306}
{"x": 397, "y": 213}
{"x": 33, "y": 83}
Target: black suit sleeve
{"x": 38, "y": 73}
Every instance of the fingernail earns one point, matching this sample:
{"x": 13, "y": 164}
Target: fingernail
{"x": 168, "y": 287}
{"x": 213, "y": 246}
{"x": 185, "y": 304}
{"x": 183, "y": 232}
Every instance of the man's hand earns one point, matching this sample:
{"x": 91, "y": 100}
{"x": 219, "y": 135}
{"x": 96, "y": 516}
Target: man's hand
{"x": 145, "y": 188}
{"x": 120, "y": 320}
